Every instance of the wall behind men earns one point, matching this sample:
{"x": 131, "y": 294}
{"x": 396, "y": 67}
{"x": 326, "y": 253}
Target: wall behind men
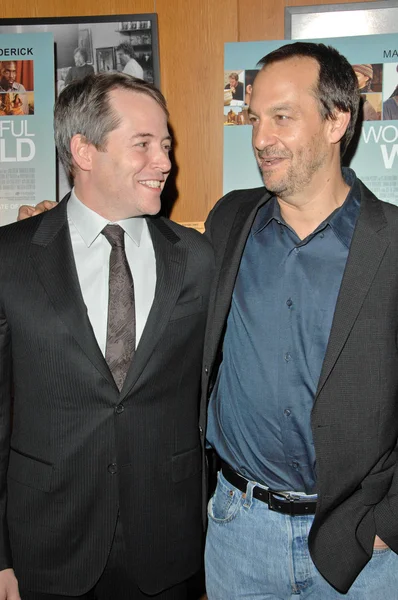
{"x": 192, "y": 34}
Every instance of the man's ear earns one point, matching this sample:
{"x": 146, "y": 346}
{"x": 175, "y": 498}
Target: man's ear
{"x": 81, "y": 151}
{"x": 338, "y": 125}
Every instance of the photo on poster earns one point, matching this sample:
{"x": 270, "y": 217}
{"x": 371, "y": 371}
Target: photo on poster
{"x": 234, "y": 88}
{"x": 370, "y": 84}
{"x": 16, "y": 87}
{"x": 390, "y": 92}
{"x": 84, "y": 45}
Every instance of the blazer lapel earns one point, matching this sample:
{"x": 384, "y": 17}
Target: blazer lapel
{"x": 366, "y": 252}
{"x": 170, "y": 269}
{"x": 52, "y": 258}
{"x": 221, "y": 295}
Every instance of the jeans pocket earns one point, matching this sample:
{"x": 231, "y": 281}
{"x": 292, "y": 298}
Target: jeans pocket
{"x": 225, "y": 503}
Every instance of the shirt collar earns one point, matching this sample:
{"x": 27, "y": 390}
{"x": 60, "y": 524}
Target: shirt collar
{"x": 89, "y": 224}
{"x": 269, "y": 211}
{"x": 342, "y": 220}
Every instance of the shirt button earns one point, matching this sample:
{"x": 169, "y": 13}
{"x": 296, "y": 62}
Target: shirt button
{"x": 287, "y": 356}
{"x": 206, "y": 370}
{"x": 296, "y": 250}
{"x": 322, "y": 235}
{"x": 119, "y": 409}
{"x": 295, "y": 464}
{"x": 287, "y": 412}
{"x": 200, "y": 430}
{"x": 112, "y": 468}
{"x": 289, "y": 302}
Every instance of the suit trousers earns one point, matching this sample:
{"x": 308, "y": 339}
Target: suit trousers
{"x": 116, "y": 581}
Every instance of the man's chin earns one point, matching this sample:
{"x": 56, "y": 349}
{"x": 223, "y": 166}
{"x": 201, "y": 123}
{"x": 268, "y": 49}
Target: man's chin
{"x": 272, "y": 184}
{"x": 151, "y": 209}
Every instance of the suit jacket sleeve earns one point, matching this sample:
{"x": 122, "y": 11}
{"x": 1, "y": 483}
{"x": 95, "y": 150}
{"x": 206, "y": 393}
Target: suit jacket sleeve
{"x": 5, "y": 411}
{"x": 386, "y": 513}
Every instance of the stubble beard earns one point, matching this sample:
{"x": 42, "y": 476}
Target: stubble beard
{"x": 298, "y": 175}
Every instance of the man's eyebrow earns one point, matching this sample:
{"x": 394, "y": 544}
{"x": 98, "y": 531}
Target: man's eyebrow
{"x": 283, "y": 107}
{"x": 286, "y": 107}
{"x": 251, "y": 112}
{"x": 149, "y": 135}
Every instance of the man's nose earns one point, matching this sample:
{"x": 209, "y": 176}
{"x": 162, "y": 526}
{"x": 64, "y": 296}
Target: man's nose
{"x": 162, "y": 161}
{"x": 263, "y": 136}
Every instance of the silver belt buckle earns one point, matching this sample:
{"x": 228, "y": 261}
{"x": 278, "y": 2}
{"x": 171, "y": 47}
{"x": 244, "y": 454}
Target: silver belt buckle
{"x": 290, "y": 501}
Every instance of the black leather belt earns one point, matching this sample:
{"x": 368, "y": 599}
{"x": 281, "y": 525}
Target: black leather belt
{"x": 280, "y": 502}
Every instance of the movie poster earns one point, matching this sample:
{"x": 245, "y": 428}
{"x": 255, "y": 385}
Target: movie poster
{"x": 375, "y": 61}
{"x": 27, "y": 151}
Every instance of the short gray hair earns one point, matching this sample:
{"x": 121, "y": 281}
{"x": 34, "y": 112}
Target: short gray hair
{"x": 83, "y": 107}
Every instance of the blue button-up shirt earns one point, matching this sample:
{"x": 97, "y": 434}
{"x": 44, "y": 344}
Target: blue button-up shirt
{"x": 275, "y": 342}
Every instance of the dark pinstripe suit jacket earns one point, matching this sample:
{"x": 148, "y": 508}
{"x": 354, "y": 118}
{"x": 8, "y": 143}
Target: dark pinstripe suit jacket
{"x": 72, "y": 460}
{"x": 355, "y": 414}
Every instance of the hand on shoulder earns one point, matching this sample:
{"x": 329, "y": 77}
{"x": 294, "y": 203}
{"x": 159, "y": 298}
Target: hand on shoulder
{"x": 26, "y": 211}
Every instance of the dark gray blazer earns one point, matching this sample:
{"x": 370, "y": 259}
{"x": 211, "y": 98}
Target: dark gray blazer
{"x": 355, "y": 414}
{"x": 79, "y": 451}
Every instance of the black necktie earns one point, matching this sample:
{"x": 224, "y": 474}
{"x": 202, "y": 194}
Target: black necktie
{"x": 120, "y": 338}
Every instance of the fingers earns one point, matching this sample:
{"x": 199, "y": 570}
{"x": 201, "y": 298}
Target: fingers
{"x": 8, "y": 585}
{"x": 24, "y": 213}
{"x": 30, "y": 211}
{"x": 45, "y": 205}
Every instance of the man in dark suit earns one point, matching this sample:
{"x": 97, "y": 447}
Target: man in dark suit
{"x": 301, "y": 360}
{"x": 101, "y": 468}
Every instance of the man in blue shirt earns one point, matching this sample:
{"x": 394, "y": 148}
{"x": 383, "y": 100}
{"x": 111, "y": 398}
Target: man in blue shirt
{"x": 301, "y": 362}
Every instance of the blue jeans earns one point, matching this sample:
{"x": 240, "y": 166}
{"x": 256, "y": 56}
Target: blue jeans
{"x": 255, "y": 553}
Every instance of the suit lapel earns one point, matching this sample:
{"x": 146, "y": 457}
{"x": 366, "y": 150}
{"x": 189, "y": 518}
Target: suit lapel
{"x": 220, "y": 300}
{"x": 52, "y": 258}
{"x": 170, "y": 269}
{"x": 366, "y": 252}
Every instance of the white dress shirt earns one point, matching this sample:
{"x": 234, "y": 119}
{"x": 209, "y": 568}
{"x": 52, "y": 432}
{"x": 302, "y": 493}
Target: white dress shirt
{"x": 91, "y": 251}
{"x": 134, "y": 69}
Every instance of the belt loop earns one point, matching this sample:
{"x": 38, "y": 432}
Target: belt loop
{"x": 249, "y": 494}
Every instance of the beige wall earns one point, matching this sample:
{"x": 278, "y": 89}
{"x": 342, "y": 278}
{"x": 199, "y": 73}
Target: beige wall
{"x": 192, "y": 35}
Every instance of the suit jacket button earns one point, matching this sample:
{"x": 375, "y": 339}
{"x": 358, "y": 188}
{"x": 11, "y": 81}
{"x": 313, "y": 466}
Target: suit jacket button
{"x": 112, "y": 468}
{"x": 119, "y": 409}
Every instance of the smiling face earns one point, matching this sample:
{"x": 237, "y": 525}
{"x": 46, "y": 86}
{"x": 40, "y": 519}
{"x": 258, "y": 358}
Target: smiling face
{"x": 126, "y": 179}
{"x": 290, "y": 138}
